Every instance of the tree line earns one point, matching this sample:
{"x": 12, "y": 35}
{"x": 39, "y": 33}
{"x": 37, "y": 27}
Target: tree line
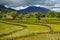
{"x": 37, "y": 15}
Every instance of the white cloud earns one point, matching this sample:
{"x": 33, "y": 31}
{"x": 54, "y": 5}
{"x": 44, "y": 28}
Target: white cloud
{"x": 18, "y": 8}
{"x": 56, "y": 9}
{"x": 6, "y": 6}
{"x": 57, "y": 5}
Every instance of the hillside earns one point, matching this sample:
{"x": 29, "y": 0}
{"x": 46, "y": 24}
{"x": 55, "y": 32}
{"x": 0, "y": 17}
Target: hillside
{"x": 34, "y": 9}
{"x": 4, "y": 9}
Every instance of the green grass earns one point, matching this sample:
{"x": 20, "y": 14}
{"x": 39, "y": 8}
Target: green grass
{"x": 55, "y": 27}
{"x": 50, "y": 19}
{"x": 37, "y": 28}
{"x": 31, "y": 27}
{"x": 6, "y": 28}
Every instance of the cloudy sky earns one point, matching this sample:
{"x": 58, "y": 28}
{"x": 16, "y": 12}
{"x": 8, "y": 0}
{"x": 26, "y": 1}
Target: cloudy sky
{"x": 22, "y": 4}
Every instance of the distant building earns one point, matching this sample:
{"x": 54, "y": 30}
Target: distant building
{"x": 9, "y": 17}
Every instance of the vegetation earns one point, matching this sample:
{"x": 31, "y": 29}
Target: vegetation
{"x": 24, "y": 25}
{"x": 58, "y": 15}
{"x": 51, "y": 14}
{"x": 1, "y": 16}
{"x": 31, "y": 15}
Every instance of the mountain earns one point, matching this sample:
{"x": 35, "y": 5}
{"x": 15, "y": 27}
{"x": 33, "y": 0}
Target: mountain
{"x": 4, "y": 9}
{"x": 27, "y": 10}
{"x": 34, "y": 9}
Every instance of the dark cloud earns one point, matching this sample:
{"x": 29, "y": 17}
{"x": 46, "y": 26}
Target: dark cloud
{"x": 15, "y": 3}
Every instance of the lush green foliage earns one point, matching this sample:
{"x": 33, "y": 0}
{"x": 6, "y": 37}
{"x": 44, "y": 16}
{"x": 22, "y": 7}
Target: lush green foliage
{"x": 49, "y": 22}
{"x": 31, "y": 15}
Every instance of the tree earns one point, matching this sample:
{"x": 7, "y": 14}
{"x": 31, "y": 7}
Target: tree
{"x": 29, "y": 16}
{"x": 58, "y": 15}
{"x": 38, "y": 15}
{"x": 20, "y": 16}
{"x": 1, "y": 16}
{"x": 43, "y": 15}
{"x": 51, "y": 14}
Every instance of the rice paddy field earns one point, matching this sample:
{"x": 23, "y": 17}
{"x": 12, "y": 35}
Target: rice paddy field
{"x": 46, "y": 29}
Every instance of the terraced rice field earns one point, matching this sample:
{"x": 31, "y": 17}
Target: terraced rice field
{"x": 29, "y": 31}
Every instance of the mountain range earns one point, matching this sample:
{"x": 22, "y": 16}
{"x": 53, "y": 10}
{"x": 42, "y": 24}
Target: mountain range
{"x": 29, "y": 9}
{"x": 34, "y": 9}
{"x": 4, "y": 9}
